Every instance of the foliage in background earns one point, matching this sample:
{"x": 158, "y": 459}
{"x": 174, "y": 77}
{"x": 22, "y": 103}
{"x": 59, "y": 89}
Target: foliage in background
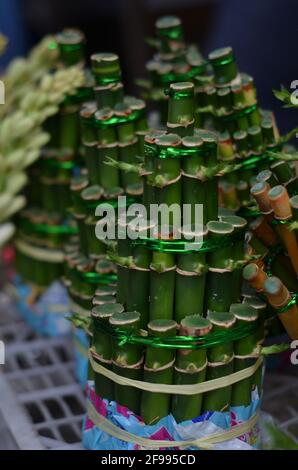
{"x": 3, "y": 43}
{"x": 280, "y": 440}
{"x": 286, "y": 97}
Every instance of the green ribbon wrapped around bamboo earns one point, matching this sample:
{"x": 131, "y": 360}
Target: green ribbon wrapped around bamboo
{"x": 181, "y": 342}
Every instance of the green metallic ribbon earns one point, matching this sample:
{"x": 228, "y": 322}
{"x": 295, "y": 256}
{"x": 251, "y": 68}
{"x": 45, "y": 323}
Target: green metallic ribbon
{"x": 70, "y": 47}
{"x": 239, "y": 114}
{"x": 114, "y": 120}
{"x": 97, "y": 278}
{"x": 65, "y": 165}
{"x": 178, "y": 342}
{"x": 234, "y": 115}
{"x": 291, "y": 302}
{"x": 179, "y": 95}
{"x": 178, "y": 246}
{"x": 289, "y": 222}
{"x": 172, "y": 77}
{"x": 174, "y": 152}
{"x": 102, "y": 81}
{"x": 48, "y": 229}
{"x": 252, "y": 161}
{"x": 52, "y": 45}
{"x": 222, "y": 61}
{"x": 247, "y": 212}
{"x": 172, "y": 33}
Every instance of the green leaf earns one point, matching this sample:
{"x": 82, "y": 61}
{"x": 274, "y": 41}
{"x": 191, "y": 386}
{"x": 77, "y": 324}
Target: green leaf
{"x": 280, "y": 439}
{"x": 284, "y": 95}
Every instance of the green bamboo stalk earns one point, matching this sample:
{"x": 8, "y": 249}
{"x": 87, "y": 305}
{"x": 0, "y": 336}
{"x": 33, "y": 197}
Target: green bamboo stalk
{"x": 181, "y": 108}
{"x": 224, "y": 66}
{"x": 128, "y": 153}
{"x": 268, "y": 132}
{"x": 69, "y": 126}
{"x": 224, "y": 100}
{"x": 170, "y": 34}
{"x": 190, "y": 277}
{"x": 162, "y": 285}
{"x": 91, "y": 197}
{"x": 167, "y": 178}
{"x": 220, "y": 364}
{"x": 107, "y": 74}
{"x": 241, "y": 142}
{"x": 158, "y": 368}
{"x": 237, "y": 96}
{"x": 190, "y": 368}
{"x": 71, "y": 44}
{"x": 211, "y": 185}
{"x": 127, "y": 360}
{"x": 107, "y": 147}
{"x": 139, "y": 278}
{"x": 193, "y": 189}
{"x": 101, "y": 342}
{"x": 243, "y": 193}
{"x": 261, "y": 307}
{"x": 78, "y": 183}
{"x": 148, "y": 167}
{"x": 286, "y": 175}
{"x": 219, "y": 292}
{"x": 123, "y": 273}
{"x": 84, "y": 265}
{"x": 225, "y": 147}
{"x": 128, "y": 143}
{"x": 246, "y": 352}
{"x": 249, "y": 91}
{"x": 239, "y": 223}
{"x": 255, "y": 138}
{"x": 88, "y": 130}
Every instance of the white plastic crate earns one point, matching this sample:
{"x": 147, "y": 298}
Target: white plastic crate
{"x": 41, "y": 405}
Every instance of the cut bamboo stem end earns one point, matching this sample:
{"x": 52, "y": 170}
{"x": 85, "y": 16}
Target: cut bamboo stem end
{"x": 194, "y": 325}
{"x": 260, "y": 192}
{"x": 190, "y": 368}
{"x": 276, "y": 292}
{"x": 255, "y": 275}
{"x": 279, "y": 296}
{"x": 280, "y": 202}
{"x": 282, "y": 210}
